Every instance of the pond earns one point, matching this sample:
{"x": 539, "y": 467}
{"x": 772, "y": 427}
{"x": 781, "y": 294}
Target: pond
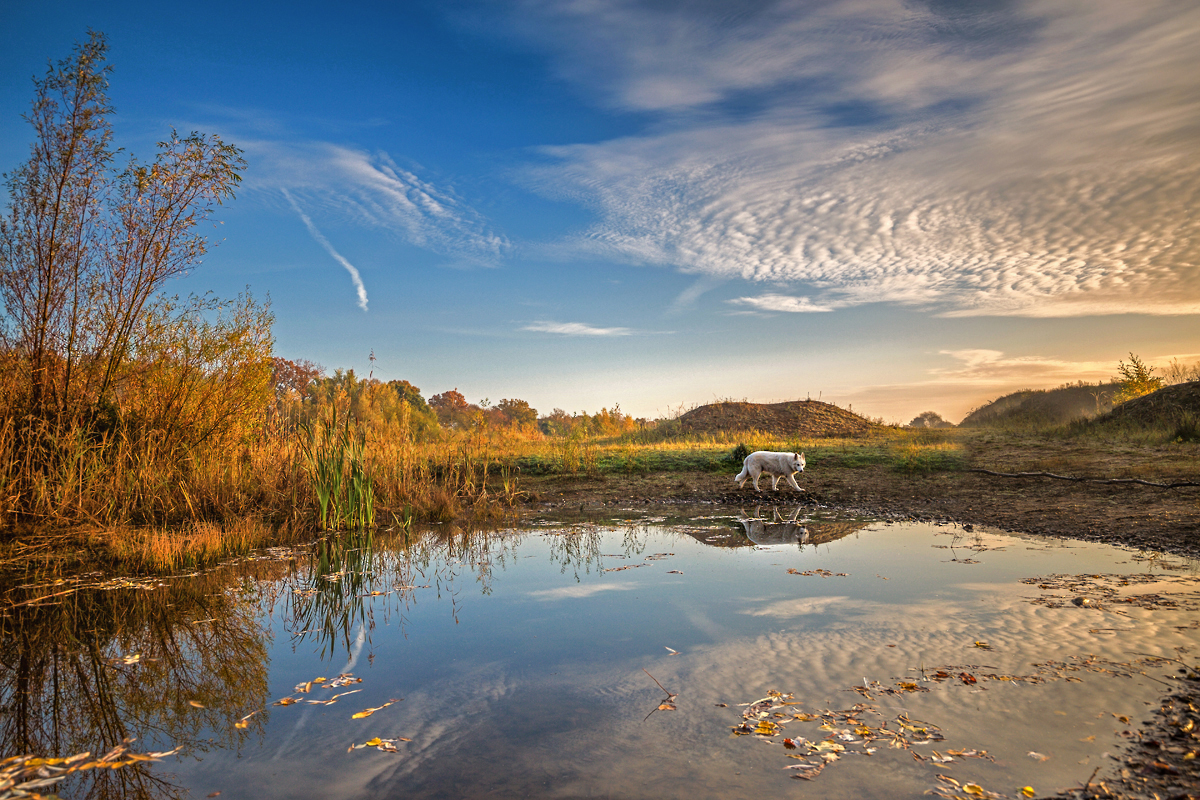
{"x": 703, "y": 654}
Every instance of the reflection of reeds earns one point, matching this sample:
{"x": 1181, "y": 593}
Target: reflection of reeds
{"x": 195, "y": 544}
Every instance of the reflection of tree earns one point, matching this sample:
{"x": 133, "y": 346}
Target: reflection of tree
{"x": 98, "y": 666}
{"x": 354, "y": 576}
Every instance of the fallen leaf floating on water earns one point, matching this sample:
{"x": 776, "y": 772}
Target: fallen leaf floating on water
{"x": 244, "y": 722}
{"x": 824, "y": 573}
{"x": 195, "y": 704}
{"x": 1028, "y": 791}
{"x": 25, "y": 774}
{"x": 1037, "y": 756}
{"x": 672, "y": 652}
{"x": 368, "y": 712}
{"x": 286, "y": 701}
{"x": 983, "y": 645}
{"x": 331, "y": 700}
{"x": 674, "y": 572}
{"x": 667, "y": 705}
{"x": 384, "y": 745}
{"x": 345, "y": 679}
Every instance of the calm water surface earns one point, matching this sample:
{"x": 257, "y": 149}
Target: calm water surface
{"x": 523, "y": 662}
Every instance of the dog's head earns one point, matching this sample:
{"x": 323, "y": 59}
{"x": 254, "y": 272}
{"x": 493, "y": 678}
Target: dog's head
{"x": 798, "y": 462}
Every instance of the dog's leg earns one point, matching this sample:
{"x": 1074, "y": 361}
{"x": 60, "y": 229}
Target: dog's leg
{"x": 755, "y": 473}
{"x": 792, "y": 480}
{"x": 774, "y": 482}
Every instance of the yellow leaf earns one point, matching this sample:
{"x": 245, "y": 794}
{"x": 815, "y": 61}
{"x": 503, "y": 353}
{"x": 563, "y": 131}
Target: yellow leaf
{"x": 973, "y": 788}
{"x": 1028, "y": 791}
{"x": 194, "y": 704}
{"x": 373, "y": 742}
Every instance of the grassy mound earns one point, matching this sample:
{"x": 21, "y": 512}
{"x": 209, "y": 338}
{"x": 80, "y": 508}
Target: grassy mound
{"x": 1030, "y": 408}
{"x": 1175, "y": 409}
{"x": 798, "y": 418}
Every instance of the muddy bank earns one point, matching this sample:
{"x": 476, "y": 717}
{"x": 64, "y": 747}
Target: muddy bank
{"x": 1128, "y": 515}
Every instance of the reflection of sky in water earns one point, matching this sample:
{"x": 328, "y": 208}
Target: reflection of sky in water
{"x": 532, "y": 684}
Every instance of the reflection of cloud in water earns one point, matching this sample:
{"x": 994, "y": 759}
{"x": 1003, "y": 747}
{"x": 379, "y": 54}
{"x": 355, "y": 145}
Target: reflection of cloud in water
{"x": 803, "y": 606}
{"x": 580, "y": 590}
{"x": 587, "y": 718}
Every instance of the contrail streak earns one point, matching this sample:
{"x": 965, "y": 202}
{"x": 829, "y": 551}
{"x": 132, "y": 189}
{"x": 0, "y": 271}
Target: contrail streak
{"x": 321, "y": 240}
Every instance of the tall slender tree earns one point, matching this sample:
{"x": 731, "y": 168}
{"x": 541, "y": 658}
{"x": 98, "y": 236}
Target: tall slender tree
{"x": 84, "y": 247}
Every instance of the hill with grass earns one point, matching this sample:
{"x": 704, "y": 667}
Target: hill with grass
{"x": 1044, "y": 407}
{"x": 798, "y": 418}
{"x": 1174, "y": 409}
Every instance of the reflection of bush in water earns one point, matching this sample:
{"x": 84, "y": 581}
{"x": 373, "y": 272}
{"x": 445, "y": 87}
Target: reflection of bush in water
{"x": 66, "y": 689}
{"x": 775, "y": 529}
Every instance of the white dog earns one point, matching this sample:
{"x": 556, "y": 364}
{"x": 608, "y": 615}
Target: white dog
{"x": 777, "y": 465}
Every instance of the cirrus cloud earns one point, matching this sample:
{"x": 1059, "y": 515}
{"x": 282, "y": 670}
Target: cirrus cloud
{"x": 575, "y": 329}
{"x": 1031, "y": 159}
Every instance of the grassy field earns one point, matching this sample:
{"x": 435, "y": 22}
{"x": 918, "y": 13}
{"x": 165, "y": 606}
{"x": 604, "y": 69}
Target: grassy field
{"x": 271, "y": 493}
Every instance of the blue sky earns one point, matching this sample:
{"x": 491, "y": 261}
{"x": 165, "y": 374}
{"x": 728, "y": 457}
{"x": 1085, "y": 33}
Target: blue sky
{"x": 898, "y": 206}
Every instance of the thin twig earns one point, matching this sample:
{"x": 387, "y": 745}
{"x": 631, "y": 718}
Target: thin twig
{"x": 1088, "y": 785}
{"x": 1139, "y": 481}
{"x": 45, "y": 597}
{"x": 669, "y": 695}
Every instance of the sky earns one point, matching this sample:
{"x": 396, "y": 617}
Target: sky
{"x": 893, "y": 206}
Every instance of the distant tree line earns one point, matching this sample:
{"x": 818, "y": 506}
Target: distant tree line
{"x": 303, "y": 390}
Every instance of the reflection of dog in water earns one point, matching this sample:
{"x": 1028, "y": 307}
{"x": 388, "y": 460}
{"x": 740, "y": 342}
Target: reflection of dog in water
{"x": 777, "y": 465}
{"x": 779, "y": 531}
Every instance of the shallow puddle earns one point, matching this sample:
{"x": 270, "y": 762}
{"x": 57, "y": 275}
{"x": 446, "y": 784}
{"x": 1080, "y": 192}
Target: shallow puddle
{"x": 718, "y": 655}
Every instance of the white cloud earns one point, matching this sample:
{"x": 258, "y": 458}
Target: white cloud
{"x": 372, "y": 190}
{"x": 781, "y": 302}
{"x": 1036, "y": 160}
{"x": 575, "y": 329}
{"x": 993, "y": 367}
